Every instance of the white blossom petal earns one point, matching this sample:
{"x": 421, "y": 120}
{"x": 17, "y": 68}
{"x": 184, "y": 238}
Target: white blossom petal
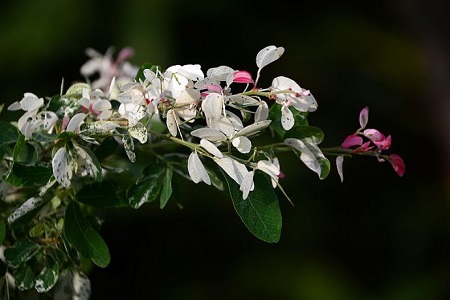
{"x": 209, "y": 134}
{"x": 233, "y": 168}
{"x": 172, "y": 122}
{"x": 253, "y": 128}
{"x": 196, "y": 169}
{"x": 212, "y": 105}
{"x": 242, "y": 144}
{"x": 340, "y": 166}
{"x": 75, "y": 122}
{"x": 262, "y": 112}
{"x": 247, "y": 184}
{"x": 211, "y": 148}
{"x": 287, "y": 118}
{"x": 268, "y": 55}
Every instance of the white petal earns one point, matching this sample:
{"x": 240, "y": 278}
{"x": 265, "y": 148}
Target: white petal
{"x": 247, "y": 185}
{"x": 268, "y": 55}
{"x": 196, "y": 169}
{"x": 243, "y": 100}
{"x": 307, "y": 156}
{"x": 188, "y": 96}
{"x": 219, "y": 73}
{"x": 31, "y": 102}
{"x": 254, "y": 128}
{"x": 242, "y": 144}
{"x": 212, "y": 105}
{"x": 62, "y": 167}
{"x": 15, "y": 106}
{"x": 287, "y": 118}
{"x": 75, "y": 122}
{"x": 262, "y": 112}
{"x": 269, "y": 168}
{"x": 234, "y": 169}
{"x": 340, "y": 166}
{"x": 101, "y": 105}
{"x": 172, "y": 122}
{"x": 209, "y": 134}
{"x": 211, "y": 148}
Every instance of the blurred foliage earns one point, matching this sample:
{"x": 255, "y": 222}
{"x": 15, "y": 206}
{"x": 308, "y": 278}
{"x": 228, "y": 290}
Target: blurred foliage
{"x": 373, "y": 237}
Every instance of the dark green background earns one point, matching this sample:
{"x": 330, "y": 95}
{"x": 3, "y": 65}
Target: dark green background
{"x": 376, "y": 236}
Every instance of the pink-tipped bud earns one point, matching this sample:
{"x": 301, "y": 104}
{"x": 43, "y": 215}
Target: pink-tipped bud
{"x": 242, "y": 77}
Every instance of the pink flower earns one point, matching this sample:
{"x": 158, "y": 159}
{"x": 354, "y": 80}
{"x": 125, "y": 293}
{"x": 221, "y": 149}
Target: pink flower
{"x": 397, "y": 163}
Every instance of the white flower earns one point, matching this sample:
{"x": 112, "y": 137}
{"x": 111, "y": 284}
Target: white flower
{"x": 33, "y": 121}
{"x": 293, "y": 95}
{"x": 92, "y": 102}
{"x": 109, "y": 68}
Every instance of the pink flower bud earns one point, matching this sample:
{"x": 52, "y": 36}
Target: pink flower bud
{"x": 242, "y": 77}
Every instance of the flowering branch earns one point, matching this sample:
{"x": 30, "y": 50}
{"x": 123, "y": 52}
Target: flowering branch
{"x": 61, "y": 159}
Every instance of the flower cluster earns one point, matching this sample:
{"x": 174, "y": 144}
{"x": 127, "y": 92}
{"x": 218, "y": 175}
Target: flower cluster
{"x": 370, "y": 141}
{"x": 180, "y": 95}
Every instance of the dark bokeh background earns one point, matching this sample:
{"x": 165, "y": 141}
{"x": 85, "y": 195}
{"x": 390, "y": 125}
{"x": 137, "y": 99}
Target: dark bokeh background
{"x": 375, "y": 236}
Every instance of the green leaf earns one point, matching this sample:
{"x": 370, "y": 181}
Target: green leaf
{"x": 66, "y": 135}
{"x": 28, "y": 207}
{"x": 140, "y": 73}
{"x": 2, "y": 231}
{"x": 260, "y": 212}
{"x": 8, "y": 133}
{"x": 24, "y": 278}
{"x": 20, "y": 252}
{"x": 304, "y": 132}
{"x": 48, "y": 276}
{"x": 166, "y": 187}
{"x": 146, "y": 189}
{"x": 106, "y": 148}
{"x": 24, "y": 152}
{"x": 56, "y": 102}
{"x": 102, "y": 194}
{"x": 80, "y": 234}
{"x": 21, "y": 175}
